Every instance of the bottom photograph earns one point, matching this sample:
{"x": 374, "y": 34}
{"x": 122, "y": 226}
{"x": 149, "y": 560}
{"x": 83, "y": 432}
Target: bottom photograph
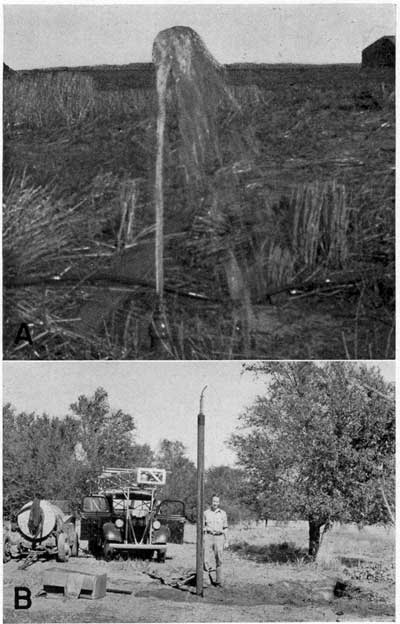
{"x": 198, "y": 491}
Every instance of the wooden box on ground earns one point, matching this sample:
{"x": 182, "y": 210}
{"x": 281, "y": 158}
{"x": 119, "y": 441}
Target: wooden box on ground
{"x": 74, "y": 583}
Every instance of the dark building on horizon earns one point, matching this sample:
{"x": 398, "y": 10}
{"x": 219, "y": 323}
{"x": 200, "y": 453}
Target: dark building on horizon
{"x": 381, "y": 53}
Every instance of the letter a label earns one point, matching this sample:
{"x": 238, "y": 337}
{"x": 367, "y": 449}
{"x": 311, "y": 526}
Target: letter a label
{"x": 23, "y": 334}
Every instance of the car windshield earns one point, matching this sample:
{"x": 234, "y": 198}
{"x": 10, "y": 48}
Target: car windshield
{"x": 137, "y": 507}
{"x": 95, "y": 503}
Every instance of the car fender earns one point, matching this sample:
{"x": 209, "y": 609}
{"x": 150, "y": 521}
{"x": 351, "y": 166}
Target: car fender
{"x": 111, "y": 533}
{"x": 161, "y": 536}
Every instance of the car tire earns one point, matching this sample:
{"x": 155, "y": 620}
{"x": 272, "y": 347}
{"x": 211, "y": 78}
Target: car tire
{"x": 62, "y": 548}
{"x": 161, "y": 556}
{"x": 93, "y": 547}
{"x": 107, "y": 551}
{"x": 75, "y": 546}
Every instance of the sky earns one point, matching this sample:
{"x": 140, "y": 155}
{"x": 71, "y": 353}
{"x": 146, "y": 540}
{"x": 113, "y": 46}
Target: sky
{"x": 163, "y": 397}
{"x": 72, "y": 34}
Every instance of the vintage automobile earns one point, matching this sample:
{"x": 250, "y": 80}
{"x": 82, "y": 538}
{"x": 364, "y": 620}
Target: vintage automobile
{"x": 122, "y": 517}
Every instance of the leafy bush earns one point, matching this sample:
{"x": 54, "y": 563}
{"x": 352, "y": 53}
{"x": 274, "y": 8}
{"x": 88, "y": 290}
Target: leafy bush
{"x": 271, "y": 553}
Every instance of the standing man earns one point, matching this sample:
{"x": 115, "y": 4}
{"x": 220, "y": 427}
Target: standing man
{"x": 215, "y": 537}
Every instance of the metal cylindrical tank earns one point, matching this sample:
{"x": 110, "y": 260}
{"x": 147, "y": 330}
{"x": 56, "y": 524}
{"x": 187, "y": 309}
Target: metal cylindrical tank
{"x": 52, "y": 518}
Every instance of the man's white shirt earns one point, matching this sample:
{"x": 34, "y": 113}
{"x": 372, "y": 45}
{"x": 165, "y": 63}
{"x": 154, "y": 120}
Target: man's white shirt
{"x": 215, "y": 521}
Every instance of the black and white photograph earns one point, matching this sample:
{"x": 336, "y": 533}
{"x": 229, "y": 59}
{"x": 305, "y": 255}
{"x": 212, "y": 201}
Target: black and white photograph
{"x": 199, "y": 182}
{"x": 199, "y": 338}
{"x": 199, "y": 491}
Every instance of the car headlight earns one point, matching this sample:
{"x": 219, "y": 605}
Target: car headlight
{"x": 119, "y": 523}
{"x": 156, "y": 524}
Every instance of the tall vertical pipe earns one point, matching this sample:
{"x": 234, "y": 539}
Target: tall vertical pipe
{"x": 200, "y": 497}
{"x": 163, "y": 69}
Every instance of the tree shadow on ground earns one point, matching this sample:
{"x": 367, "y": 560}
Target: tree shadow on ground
{"x": 285, "y": 552}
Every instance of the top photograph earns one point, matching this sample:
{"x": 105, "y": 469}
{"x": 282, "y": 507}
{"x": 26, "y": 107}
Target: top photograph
{"x": 185, "y": 182}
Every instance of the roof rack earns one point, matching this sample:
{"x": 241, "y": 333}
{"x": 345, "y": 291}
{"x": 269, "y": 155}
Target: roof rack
{"x": 119, "y": 478}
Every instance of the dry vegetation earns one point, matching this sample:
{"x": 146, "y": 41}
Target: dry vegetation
{"x": 345, "y": 544}
{"x": 258, "y": 586}
{"x": 308, "y": 213}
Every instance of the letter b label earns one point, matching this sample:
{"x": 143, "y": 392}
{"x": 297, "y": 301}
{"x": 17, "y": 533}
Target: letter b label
{"x": 22, "y": 598}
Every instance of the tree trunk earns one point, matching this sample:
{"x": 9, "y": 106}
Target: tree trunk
{"x": 385, "y": 500}
{"x": 314, "y": 533}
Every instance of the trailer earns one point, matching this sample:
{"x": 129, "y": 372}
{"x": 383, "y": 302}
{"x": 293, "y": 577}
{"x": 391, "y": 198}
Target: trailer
{"x": 42, "y": 530}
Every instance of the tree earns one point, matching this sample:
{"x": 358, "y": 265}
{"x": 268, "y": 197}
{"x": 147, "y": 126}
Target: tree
{"x": 106, "y": 435}
{"x": 227, "y": 483}
{"x": 58, "y": 458}
{"x": 181, "y": 474}
{"x": 319, "y": 445}
{"x": 38, "y": 458}
{"x": 141, "y": 455}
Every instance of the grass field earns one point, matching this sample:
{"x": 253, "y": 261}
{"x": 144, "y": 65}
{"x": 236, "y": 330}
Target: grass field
{"x": 347, "y": 541}
{"x": 310, "y": 218}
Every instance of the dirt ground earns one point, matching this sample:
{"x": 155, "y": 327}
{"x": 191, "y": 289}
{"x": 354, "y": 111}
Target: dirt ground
{"x": 252, "y": 591}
